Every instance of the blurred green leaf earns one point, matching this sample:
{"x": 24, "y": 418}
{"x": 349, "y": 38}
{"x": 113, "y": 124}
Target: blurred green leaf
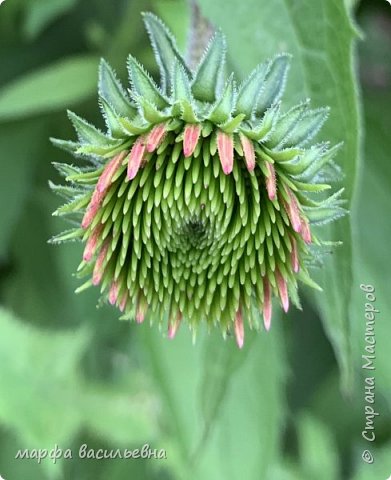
{"x": 322, "y": 69}
{"x": 175, "y": 368}
{"x": 36, "y": 259}
{"x": 40, "y": 367}
{"x": 220, "y": 404}
{"x": 21, "y": 144}
{"x": 372, "y": 260}
{"x": 46, "y": 401}
{"x": 39, "y": 13}
{"x": 318, "y": 450}
{"x": 130, "y": 413}
{"x": 175, "y": 14}
{"x": 379, "y": 469}
{"x": 351, "y": 4}
{"x": 242, "y": 433}
{"x": 51, "y": 88}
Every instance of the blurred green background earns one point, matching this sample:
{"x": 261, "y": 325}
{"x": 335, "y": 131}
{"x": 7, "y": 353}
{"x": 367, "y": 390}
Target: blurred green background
{"x": 291, "y": 404}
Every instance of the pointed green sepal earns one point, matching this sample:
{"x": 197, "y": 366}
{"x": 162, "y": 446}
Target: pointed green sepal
{"x": 143, "y": 85}
{"x": 66, "y": 191}
{"x": 312, "y": 187}
{"x": 65, "y": 170}
{"x": 72, "y": 234}
{"x": 285, "y": 156}
{"x": 232, "y": 124}
{"x": 304, "y": 277}
{"x": 274, "y": 84}
{"x": 165, "y": 49}
{"x": 251, "y": 89}
{"x": 150, "y": 112}
{"x": 324, "y": 215}
{"x": 66, "y": 145}
{"x": 111, "y": 119}
{"x": 102, "y": 150}
{"x": 135, "y": 127}
{"x": 309, "y": 125}
{"x": 111, "y": 90}
{"x": 210, "y": 70}
{"x": 222, "y": 110}
{"x": 318, "y": 158}
{"x": 87, "y": 133}
{"x": 285, "y": 125}
{"x": 265, "y": 128}
{"x": 181, "y": 86}
{"x": 188, "y": 113}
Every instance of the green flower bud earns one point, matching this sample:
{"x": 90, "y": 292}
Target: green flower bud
{"x": 198, "y": 203}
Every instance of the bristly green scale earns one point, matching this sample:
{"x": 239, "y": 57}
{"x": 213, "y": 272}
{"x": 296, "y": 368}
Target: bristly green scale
{"x": 198, "y": 203}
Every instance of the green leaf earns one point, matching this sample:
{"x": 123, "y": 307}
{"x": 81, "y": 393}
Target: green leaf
{"x": 48, "y": 89}
{"x": 212, "y": 384}
{"x": 40, "y": 13}
{"x": 322, "y": 69}
{"x": 210, "y": 70}
{"x": 253, "y": 378}
{"x": 372, "y": 230}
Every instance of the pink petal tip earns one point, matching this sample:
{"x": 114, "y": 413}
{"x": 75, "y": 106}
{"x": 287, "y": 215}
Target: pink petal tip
{"x": 101, "y": 188}
{"x": 105, "y": 179}
{"x": 91, "y": 244}
{"x": 292, "y": 209}
{"x": 294, "y": 256}
{"x": 173, "y": 326}
{"x": 225, "y": 147}
{"x": 248, "y": 151}
{"x": 136, "y": 157}
{"x": 140, "y": 313}
{"x": 271, "y": 185}
{"x": 306, "y": 231}
{"x": 283, "y": 291}
{"x": 156, "y": 137}
{"x": 239, "y": 329}
{"x": 113, "y": 294}
{"x": 267, "y": 305}
{"x": 124, "y": 302}
{"x": 190, "y": 139}
{"x": 97, "y": 274}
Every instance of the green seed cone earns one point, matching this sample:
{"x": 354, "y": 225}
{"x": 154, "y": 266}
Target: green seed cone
{"x": 199, "y": 201}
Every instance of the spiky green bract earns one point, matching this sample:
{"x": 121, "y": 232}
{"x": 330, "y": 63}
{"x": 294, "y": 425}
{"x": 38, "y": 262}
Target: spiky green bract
{"x": 198, "y": 202}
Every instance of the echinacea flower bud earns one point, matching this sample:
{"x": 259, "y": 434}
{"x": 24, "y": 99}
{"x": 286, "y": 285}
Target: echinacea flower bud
{"x": 198, "y": 203}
